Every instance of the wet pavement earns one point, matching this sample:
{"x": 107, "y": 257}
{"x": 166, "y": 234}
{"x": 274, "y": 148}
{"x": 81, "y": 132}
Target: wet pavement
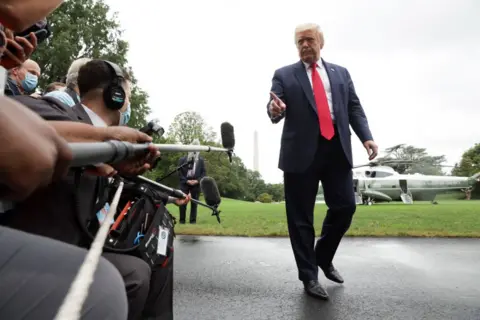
{"x": 256, "y": 278}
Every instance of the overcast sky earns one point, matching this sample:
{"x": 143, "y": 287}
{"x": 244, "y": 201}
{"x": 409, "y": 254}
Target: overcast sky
{"x": 415, "y": 65}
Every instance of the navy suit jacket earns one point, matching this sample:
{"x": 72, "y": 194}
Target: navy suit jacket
{"x": 301, "y": 129}
{"x": 200, "y": 171}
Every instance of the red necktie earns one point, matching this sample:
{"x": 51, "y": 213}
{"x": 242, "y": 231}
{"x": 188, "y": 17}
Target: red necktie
{"x": 324, "y": 116}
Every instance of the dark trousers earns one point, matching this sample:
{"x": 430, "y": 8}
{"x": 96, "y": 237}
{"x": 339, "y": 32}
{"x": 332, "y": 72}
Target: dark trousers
{"x": 332, "y": 168}
{"x": 159, "y": 304}
{"x": 149, "y": 290}
{"x": 195, "y": 193}
{"x": 37, "y": 272}
{"x": 136, "y": 276}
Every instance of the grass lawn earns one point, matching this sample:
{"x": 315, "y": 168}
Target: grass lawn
{"x": 449, "y": 218}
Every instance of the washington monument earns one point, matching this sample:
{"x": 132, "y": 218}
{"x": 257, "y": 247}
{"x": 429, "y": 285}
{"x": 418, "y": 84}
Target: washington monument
{"x": 255, "y": 152}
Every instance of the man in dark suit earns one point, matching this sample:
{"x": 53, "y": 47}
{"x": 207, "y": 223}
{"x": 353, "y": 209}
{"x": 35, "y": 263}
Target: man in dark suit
{"x": 192, "y": 170}
{"x": 317, "y": 99}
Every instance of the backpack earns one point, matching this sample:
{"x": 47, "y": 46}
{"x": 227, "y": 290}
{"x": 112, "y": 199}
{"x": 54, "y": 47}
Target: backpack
{"x": 142, "y": 227}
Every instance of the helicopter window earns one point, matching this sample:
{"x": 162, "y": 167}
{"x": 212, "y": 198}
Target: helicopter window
{"x": 380, "y": 174}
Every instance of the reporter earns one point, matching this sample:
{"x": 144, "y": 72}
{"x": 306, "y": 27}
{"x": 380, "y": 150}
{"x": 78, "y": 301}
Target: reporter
{"x": 68, "y": 207}
{"x": 23, "y": 79}
{"x": 71, "y": 95}
{"x": 43, "y": 157}
{"x": 31, "y": 159}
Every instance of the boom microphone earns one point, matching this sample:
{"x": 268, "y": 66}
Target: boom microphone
{"x": 161, "y": 187}
{"x": 228, "y": 136}
{"x": 210, "y": 191}
{"x": 90, "y": 153}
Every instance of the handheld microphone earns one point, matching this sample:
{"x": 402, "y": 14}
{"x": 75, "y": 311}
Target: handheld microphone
{"x": 210, "y": 191}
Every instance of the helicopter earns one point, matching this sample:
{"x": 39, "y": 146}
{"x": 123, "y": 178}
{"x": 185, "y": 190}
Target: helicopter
{"x": 378, "y": 182}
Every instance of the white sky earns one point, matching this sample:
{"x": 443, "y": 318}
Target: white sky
{"x": 415, "y": 65}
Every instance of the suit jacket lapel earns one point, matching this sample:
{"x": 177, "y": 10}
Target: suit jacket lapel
{"x": 302, "y": 77}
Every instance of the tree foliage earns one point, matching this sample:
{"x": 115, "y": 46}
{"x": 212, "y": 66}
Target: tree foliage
{"x": 417, "y": 160}
{"x": 234, "y": 180}
{"x": 470, "y": 162}
{"x": 188, "y": 126}
{"x": 87, "y": 28}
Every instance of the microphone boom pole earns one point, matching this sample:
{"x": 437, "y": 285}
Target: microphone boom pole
{"x": 91, "y": 153}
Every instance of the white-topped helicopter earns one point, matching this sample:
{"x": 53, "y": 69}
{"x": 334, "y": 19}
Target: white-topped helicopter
{"x": 375, "y": 182}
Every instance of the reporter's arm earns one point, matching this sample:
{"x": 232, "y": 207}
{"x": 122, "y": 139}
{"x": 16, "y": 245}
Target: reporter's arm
{"x": 79, "y": 132}
{"x": 18, "y": 15}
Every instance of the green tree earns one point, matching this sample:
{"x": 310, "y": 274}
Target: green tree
{"x": 264, "y": 198}
{"x": 470, "y": 162}
{"x": 255, "y": 185}
{"x": 86, "y": 28}
{"x": 277, "y": 191}
{"x": 409, "y": 159}
{"x": 188, "y": 126}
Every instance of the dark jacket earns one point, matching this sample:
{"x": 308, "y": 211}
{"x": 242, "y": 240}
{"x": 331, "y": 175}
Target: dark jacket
{"x": 301, "y": 130}
{"x": 60, "y": 210}
{"x": 200, "y": 172}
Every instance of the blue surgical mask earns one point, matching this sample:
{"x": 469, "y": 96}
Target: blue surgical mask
{"x": 125, "y": 116}
{"x": 62, "y": 96}
{"x": 30, "y": 82}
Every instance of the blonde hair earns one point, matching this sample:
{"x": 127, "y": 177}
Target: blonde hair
{"x": 309, "y": 26}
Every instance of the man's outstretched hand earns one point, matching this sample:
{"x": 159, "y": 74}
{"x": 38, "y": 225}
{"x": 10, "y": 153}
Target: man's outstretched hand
{"x": 276, "y": 106}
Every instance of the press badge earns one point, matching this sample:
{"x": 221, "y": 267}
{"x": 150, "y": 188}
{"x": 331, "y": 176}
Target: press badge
{"x": 162, "y": 241}
{"x": 103, "y": 213}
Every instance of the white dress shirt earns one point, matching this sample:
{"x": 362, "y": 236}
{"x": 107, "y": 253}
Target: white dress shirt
{"x": 325, "y": 80}
{"x": 95, "y": 118}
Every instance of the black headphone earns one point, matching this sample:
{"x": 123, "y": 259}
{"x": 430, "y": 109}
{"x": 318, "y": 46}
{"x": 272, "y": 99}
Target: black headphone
{"x": 114, "y": 95}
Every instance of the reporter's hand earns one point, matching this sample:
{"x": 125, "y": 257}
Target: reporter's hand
{"x": 138, "y": 165}
{"x": 103, "y": 170}
{"x": 182, "y": 202}
{"x": 127, "y": 134}
{"x": 23, "y": 50}
{"x": 276, "y": 106}
{"x": 32, "y": 153}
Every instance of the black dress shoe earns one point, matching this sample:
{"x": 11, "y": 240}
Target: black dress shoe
{"x": 332, "y": 274}
{"x": 315, "y": 289}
